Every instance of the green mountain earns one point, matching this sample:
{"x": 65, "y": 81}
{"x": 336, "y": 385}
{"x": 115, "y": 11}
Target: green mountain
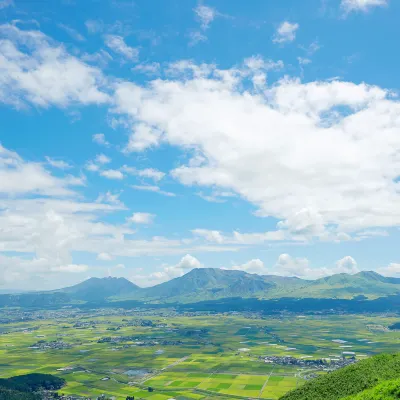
{"x": 25, "y": 387}
{"x": 388, "y": 390}
{"x": 213, "y": 284}
{"x": 210, "y": 283}
{"x": 207, "y": 283}
{"x": 365, "y": 378}
{"x": 94, "y": 289}
{"x": 345, "y": 286}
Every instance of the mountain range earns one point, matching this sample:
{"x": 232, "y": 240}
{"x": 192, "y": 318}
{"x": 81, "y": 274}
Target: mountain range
{"x": 212, "y": 284}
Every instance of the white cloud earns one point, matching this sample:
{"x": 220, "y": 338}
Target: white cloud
{"x": 300, "y": 267}
{"x": 205, "y": 15}
{"x": 31, "y": 66}
{"x": 94, "y": 26}
{"x": 72, "y": 32}
{"x": 104, "y": 257}
{"x": 112, "y": 174}
{"x": 286, "y": 32}
{"x": 392, "y": 270}
{"x": 91, "y": 166}
{"x": 255, "y": 266}
{"x": 196, "y": 37}
{"x": 45, "y": 223}
{"x": 151, "y": 173}
{"x": 186, "y": 264}
{"x": 100, "y": 139}
{"x": 110, "y": 198}
{"x": 18, "y": 177}
{"x": 118, "y": 45}
{"x": 74, "y": 268}
{"x": 291, "y": 266}
{"x": 343, "y": 179}
{"x": 102, "y": 159}
{"x": 143, "y": 137}
{"x": 347, "y": 265}
{"x": 148, "y": 69}
{"x": 58, "y": 163}
{"x": 211, "y": 236}
{"x": 142, "y": 218}
{"x": 362, "y": 5}
{"x": 152, "y": 188}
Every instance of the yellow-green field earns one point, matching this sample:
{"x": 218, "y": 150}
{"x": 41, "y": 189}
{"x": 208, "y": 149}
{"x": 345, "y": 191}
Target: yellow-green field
{"x": 222, "y": 361}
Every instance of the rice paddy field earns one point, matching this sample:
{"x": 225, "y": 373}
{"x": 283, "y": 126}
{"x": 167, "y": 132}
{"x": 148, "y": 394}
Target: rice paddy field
{"x": 186, "y": 357}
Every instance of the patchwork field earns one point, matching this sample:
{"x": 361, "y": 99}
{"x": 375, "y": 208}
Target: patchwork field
{"x": 166, "y": 356}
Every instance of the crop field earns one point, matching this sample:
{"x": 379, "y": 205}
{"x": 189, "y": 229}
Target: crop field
{"x": 185, "y": 357}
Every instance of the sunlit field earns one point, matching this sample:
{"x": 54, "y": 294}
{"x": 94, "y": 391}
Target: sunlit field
{"x": 209, "y": 357}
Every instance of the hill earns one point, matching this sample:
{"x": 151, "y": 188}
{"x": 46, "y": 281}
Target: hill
{"x": 23, "y": 387}
{"x": 388, "y": 390}
{"x": 350, "y": 381}
{"x": 207, "y": 283}
{"x": 345, "y": 286}
{"x": 211, "y": 284}
{"x": 94, "y": 289}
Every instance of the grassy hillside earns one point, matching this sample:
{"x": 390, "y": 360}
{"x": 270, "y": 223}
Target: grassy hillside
{"x": 389, "y": 390}
{"x": 23, "y": 387}
{"x": 349, "y": 381}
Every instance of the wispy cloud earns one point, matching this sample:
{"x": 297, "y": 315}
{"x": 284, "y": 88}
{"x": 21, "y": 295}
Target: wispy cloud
{"x": 286, "y": 32}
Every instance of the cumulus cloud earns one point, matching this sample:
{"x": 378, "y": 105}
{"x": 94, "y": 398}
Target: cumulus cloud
{"x": 210, "y": 235}
{"x": 322, "y": 157}
{"x": 151, "y": 173}
{"x": 58, "y": 163}
{"x": 104, "y": 257}
{"x": 102, "y": 159}
{"x": 286, "y": 32}
{"x": 347, "y": 265}
{"x": 117, "y": 44}
{"x": 205, "y": 15}
{"x": 112, "y": 174}
{"x": 392, "y": 270}
{"x": 362, "y": 5}
{"x": 31, "y": 66}
{"x": 255, "y": 266}
{"x": 142, "y": 218}
{"x": 100, "y": 139}
{"x": 18, "y": 177}
{"x": 148, "y": 69}
{"x": 186, "y": 264}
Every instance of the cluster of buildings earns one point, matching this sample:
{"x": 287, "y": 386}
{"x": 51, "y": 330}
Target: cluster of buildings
{"x": 324, "y": 364}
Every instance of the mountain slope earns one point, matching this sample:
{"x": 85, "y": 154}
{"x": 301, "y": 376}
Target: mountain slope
{"x": 350, "y": 380}
{"x": 208, "y": 283}
{"x": 346, "y": 286}
{"x": 388, "y": 390}
{"x": 100, "y": 288}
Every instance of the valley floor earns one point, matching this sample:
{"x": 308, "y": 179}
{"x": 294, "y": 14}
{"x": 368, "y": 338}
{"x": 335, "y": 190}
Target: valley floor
{"x": 121, "y": 353}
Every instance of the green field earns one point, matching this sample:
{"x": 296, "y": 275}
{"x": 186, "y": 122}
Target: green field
{"x": 186, "y": 357}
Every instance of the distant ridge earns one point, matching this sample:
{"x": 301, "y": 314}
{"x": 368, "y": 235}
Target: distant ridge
{"x": 202, "y": 284}
{"x": 100, "y": 288}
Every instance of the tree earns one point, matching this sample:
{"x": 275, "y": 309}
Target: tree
{"x": 150, "y": 389}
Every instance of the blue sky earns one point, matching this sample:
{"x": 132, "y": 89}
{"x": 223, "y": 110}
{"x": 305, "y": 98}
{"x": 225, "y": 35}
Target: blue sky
{"x": 146, "y": 138}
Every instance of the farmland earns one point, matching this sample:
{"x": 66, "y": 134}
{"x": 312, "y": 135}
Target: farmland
{"x": 186, "y": 356}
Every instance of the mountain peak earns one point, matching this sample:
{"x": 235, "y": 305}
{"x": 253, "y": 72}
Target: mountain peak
{"x": 100, "y": 288}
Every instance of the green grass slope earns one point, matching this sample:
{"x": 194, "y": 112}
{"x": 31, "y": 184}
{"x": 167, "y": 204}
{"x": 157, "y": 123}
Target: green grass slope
{"x": 23, "y": 387}
{"x": 349, "y": 381}
{"x": 389, "y": 390}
